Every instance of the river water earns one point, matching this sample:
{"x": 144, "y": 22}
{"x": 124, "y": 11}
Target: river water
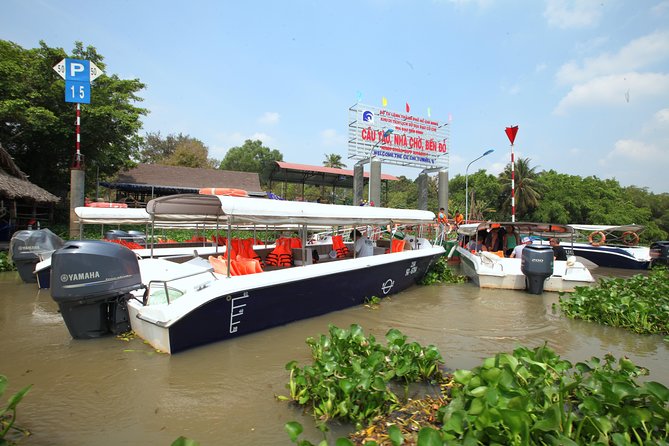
{"x": 113, "y": 392}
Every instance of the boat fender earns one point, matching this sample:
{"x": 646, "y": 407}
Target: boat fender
{"x": 630, "y": 238}
{"x": 597, "y": 238}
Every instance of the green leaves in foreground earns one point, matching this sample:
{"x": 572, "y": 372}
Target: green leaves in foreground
{"x": 350, "y": 374}
{"x": 8, "y": 414}
{"x": 639, "y": 304}
{"x": 439, "y": 272}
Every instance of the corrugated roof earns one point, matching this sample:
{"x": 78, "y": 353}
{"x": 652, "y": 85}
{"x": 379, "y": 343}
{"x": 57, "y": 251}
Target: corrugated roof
{"x": 177, "y": 177}
{"x": 317, "y": 175}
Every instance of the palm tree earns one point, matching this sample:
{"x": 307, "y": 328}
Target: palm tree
{"x": 527, "y": 194}
{"x": 333, "y": 160}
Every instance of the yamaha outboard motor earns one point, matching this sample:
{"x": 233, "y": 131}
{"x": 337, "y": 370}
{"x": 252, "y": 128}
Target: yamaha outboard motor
{"x": 537, "y": 265}
{"x": 91, "y": 282}
{"x": 117, "y": 234}
{"x": 29, "y": 247}
{"x": 659, "y": 253}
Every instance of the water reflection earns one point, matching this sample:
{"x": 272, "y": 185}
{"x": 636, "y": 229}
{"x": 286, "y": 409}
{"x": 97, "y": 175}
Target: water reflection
{"x": 111, "y": 392}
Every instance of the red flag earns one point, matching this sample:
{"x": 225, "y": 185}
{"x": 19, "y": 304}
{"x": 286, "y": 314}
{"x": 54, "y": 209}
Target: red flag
{"x": 408, "y": 108}
{"x": 511, "y": 133}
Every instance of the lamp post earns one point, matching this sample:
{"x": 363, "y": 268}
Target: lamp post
{"x": 487, "y": 152}
{"x": 386, "y": 133}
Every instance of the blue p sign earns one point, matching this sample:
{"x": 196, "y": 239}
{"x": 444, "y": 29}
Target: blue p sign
{"x": 77, "y": 70}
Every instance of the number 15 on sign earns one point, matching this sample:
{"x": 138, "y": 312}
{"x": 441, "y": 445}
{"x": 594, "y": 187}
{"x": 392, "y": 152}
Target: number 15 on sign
{"x": 78, "y": 92}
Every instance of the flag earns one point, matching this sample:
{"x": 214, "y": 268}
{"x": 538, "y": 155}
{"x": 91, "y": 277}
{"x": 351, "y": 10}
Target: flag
{"x": 408, "y": 108}
{"x": 384, "y": 101}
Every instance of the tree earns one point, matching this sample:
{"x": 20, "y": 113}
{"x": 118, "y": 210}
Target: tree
{"x": 37, "y": 125}
{"x": 527, "y": 194}
{"x": 252, "y": 156}
{"x": 334, "y": 161}
{"x": 175, "y": 150}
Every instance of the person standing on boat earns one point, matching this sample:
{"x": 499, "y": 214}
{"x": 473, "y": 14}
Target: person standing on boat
{"x": 510, "y": 240}
{"x": 518, "y": 250}
{"x": 442, "y": 221}
{"x": 364, "y": 247}
{"x": 558, "y": 251}
{"x": 458, "y": 219}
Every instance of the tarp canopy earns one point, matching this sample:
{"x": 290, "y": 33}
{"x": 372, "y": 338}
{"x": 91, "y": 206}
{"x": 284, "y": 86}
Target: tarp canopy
{"x": 608, "y": 228}
{"x": 238, "y": 210}
{"x": 558, "y": 230}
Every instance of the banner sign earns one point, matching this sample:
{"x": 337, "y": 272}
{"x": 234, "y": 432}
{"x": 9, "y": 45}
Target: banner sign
{"x": 397, "y": 138}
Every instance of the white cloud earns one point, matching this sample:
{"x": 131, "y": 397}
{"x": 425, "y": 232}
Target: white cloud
{"x": 573, "y": 13}
{"x": 662, "y": 116}
{"x": 661, "y": 8}
{"x": 615, "y": 89}
{"x": 629, "y": 150}
{"x": 330, "y": 138}
{"x": 225, "y": 141}
{"x": 638, "y": 54}
{"x": 269, "y": 118}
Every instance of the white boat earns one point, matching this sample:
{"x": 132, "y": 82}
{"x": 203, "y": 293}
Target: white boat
{"x": 492, "y": 270}
{"x": 611, "y": 246}
{"x": 176, "y": 306}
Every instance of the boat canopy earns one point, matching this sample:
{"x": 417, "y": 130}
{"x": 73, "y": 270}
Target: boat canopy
{"x": 239, "y": 210}
{"x": 120, "y": 216}
{"x": 608, "y": 229}
{"x": 558, "y": 230}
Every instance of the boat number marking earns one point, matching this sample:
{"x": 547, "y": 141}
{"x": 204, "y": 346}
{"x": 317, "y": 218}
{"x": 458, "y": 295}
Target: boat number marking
{"x": 387, "y": 286}
{"x": 236, "y": 310}
{"x": 411, "y": 269}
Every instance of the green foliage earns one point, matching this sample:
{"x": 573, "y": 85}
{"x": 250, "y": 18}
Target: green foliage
{"x": 439, "y": 272}
{"x": 334, "y": 161}
{"x": 351, "y": 373}
{"x": 183, "y": 441}
{"x": 252, "y": 156}
{"x": 8, "y": 413}
{"x": 639, "y": 304}
{"x": 528, "y": 189}
{"x": 5, "y": 263}
{"x": 534, "y": 397}
{"x": 175, "y": 150}
{"x": 36, "y": 123}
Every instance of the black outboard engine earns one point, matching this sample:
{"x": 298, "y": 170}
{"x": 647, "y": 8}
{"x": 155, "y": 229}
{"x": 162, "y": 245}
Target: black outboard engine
{"x": 137, "y": 237}
{"x": 537, "y": 265}
{"x": 659, "y": 253}
{"x": 117, "y": 234}
{"x": 91, "y": 282}
{"x": 27, "y": 248}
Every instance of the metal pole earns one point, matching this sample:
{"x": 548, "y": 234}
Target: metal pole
{"x": 513, "y": 187}
{"x": 488, "y": 152}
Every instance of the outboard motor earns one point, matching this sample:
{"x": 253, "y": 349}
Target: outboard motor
{"x": 659, "y": 253}
{"x": 117, "y": 234}
{"x": 537, "y": 265}
{"x": 27, "y": 248}
{"x": 137, "y": 236}
{"x": 91, "y": 282}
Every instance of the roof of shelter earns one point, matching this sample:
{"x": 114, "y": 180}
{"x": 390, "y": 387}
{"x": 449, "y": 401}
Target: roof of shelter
{"x": 176, "y": 179}
{"x": 14, "y": 183}
{"x": 317, "y": 175}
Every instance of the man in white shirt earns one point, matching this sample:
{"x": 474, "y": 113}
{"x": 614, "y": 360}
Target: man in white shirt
{"x": 363, "y": 245}
{"x": 518, "y": 250}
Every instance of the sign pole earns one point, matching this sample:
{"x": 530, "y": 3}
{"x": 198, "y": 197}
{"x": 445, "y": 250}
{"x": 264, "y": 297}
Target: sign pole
{"x": 511, "y": 134}
{"x": 77, "y": 157}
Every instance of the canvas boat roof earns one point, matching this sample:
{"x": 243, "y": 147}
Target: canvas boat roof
{"x": 471, "y": 229}
{"x": 608, "y": 228}
{"x": 121, "y": 216}
{"x": 239, "y": 210}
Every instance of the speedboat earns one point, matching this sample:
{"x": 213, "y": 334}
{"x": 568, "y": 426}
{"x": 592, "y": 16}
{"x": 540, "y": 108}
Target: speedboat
{"x": 104, "y": 288}
{"x": 536, "y": 271}
{"x": 611, "y": 246}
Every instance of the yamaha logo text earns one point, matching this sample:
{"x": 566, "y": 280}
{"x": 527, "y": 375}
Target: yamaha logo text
{"x": 80, "y": 276}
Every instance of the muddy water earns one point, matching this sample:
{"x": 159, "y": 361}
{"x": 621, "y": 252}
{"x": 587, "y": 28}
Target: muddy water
{"x": 111, "y": 392}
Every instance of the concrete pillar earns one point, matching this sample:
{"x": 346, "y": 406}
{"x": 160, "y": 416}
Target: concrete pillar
{"x": 422, "y": 190}
{"x": 77, "y": 181}
{"x": 358, "y": 182}
{"x": 375, "y": 181}
{"x": 443, "y": 190}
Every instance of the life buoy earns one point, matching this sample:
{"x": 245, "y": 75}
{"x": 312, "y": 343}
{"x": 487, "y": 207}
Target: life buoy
{"x": 597, "y": 238}
{"x": 229, "y": 192}
{"x": 630, "y": 238}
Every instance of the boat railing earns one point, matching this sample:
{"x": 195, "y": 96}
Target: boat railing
{"x": 491, "y": 260}
{"x": 163, "y": 284}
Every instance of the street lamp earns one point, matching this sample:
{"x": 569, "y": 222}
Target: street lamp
{"x": 386, "y": 133}
{"x": 488, "y": 152}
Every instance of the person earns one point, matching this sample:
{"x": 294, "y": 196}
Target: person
{"x": 442, "y": 220}
{"x": 363, "y": 247}
{"x": 510, "y": 240}
{"x": 459, "y": 218}
{"x": 558, "y": 251}
{"x": 478, "y": 244}
{"x": 493, "y": 240}
{"x": 518, "y": 250}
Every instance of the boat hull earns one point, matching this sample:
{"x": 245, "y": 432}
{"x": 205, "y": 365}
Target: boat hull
{"x": 613, "y": 256}
{"x": 257, "y": 308}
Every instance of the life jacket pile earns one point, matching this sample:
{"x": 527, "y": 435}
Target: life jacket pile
{"x": 238, "y": 267}
{"x": 281, "y": 255}
{"x": 339, "y": 246}
{"x": 396, "y": 245}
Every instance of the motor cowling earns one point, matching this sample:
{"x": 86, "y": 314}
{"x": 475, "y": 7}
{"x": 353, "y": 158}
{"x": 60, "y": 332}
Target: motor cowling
{"x": 537, "y": 265}
{"x": 91, "y": 281}
{"x": 29, "y": 247}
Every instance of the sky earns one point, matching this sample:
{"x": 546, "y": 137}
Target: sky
{"x": 586, "y": 82}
